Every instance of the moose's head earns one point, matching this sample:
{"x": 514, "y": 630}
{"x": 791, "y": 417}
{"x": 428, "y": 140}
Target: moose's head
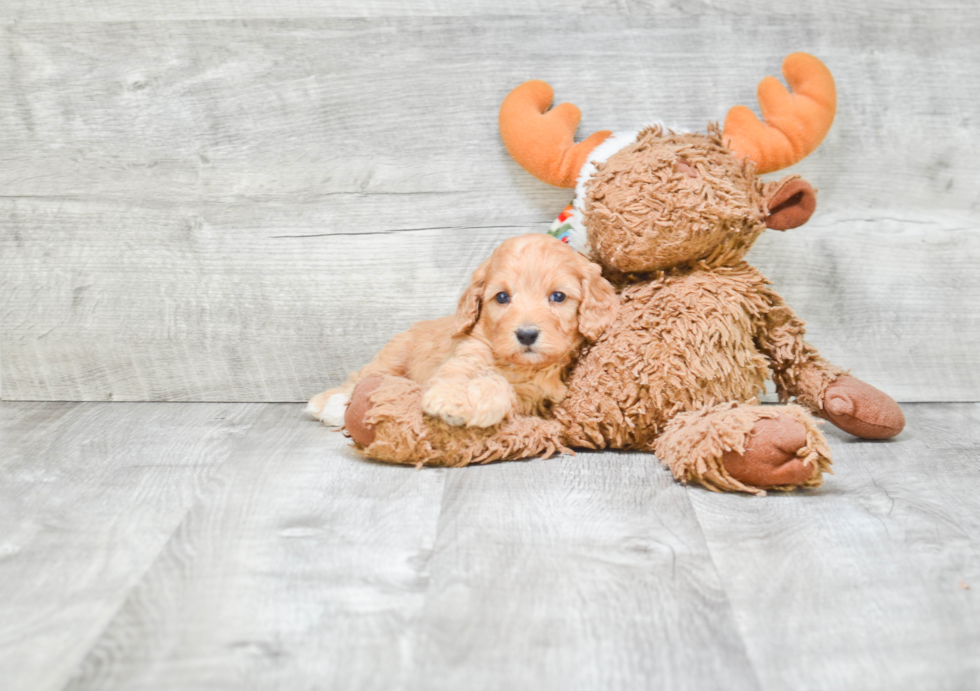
{"x": 655, "y": 199}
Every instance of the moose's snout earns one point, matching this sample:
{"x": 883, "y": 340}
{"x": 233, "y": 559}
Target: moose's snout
{"x": 527, "y": 335}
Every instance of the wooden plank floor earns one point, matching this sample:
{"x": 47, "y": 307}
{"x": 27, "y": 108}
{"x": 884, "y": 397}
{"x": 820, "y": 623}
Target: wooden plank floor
{"x": 206, "y": 545}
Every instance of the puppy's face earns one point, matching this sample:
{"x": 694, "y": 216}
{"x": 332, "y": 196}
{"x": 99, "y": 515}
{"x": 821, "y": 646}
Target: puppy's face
{"x": 534, "y": 300}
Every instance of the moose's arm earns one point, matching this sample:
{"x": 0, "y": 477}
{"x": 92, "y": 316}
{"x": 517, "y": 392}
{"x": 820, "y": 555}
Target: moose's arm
{"x": 800, "y": 372}
{"x": 798, "y": 369}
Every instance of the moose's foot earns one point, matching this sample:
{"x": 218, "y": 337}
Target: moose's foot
{"x": 861, "y": 409}
{"x": 771, "y": 457}
{"x": 745, "y": 448}
{"x": 355, "y": 418}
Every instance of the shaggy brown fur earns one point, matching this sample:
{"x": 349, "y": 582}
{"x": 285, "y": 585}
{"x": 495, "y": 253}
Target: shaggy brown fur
{"x": 670, "y": 219}
{"x": 694, "y": 444}
{"x": 404, "y": 435}
{"x": 672, "y": 199}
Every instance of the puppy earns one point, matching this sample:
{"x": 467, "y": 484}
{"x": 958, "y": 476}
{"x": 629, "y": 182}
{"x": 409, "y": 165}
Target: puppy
{"x": 516, "y": 330}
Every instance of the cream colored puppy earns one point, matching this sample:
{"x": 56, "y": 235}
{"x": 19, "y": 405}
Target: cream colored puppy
{"x": 516, "y": 330}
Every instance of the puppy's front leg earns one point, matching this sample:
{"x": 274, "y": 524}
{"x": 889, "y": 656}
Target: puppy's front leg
{"x": 482, "y": 401}
{"x": 466, "y": 390}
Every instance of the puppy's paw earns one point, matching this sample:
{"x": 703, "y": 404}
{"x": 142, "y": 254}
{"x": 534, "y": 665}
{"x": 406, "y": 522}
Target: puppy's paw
{"x": 315, "y": 405}
{"x": 329, "y": 407}
{"x": 492, "y": 399}
{"x": 447, "y": 401}
{"x": 479, "y": 402}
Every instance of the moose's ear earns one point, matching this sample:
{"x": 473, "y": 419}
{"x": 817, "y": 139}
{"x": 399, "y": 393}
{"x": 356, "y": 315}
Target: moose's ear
{"x": 789, "y": 203}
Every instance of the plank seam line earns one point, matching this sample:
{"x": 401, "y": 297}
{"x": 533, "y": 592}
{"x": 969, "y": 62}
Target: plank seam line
{"x": 97, "y": 639}
{"x": 418, "y": 622}
{"x": 407, "y": 230}
{"x": 721, "y": 584}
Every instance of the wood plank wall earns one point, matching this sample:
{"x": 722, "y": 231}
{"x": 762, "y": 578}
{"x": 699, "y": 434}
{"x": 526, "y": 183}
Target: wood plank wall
{"x": 242, "y": 201}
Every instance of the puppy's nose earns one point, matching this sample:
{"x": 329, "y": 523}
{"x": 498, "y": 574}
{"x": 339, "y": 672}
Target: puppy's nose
{"x": 527, "y": 335}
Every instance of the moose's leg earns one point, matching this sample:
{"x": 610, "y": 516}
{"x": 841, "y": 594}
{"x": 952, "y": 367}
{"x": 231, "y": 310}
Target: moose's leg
{"x": 861, "y": 409}
{"x": 386, "y": 422}
{"x": 747, "y": 448}
{"x": 800, "y": 372}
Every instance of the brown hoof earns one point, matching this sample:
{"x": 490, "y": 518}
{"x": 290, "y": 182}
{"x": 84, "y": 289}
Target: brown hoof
{"x": 357, "y": 410}
{"x": 862, "y": 410}
{"x": 770, "y": 458}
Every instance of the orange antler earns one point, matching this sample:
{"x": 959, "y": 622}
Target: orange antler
{"x": 544, "y": 142}
{"x": 795, "y": 123}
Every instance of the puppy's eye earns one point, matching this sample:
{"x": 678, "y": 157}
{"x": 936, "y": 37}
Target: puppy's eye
{"x": 557, "y": 296}
{"x": 502, "y": 298}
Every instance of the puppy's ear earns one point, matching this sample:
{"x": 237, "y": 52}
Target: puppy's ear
{"x": 600, "y": 304}
{"x": 468, "y": 310}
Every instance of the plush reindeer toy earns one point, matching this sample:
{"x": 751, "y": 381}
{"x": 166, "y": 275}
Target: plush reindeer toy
{"x": 669, "y": 218}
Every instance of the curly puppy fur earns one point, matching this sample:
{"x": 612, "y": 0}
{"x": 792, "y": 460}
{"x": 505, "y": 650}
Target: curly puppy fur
{"x": 518, "y": 326}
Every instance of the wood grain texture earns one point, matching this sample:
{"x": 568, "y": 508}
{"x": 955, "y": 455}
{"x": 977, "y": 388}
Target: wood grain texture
{"x": 870, "y": 582}
{"x": 22, "y": 11}
{"x": 584, "y": 572}
{"x": 157, "y": 176}
{"x": 205, "y": 312}
{"x": 89, "y": 495}
{"x": 305, "y": 110}
{"x": 193, "y": 546}
{"x": 304, "y": 567}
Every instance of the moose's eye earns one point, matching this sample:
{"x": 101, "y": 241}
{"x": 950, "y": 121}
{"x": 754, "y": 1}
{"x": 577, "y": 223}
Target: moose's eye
{"x": 557, "y": 296}
{"x": 502, "y": 298}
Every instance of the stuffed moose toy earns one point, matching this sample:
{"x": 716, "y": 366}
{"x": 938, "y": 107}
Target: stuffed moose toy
{"x": 669, "y": 218}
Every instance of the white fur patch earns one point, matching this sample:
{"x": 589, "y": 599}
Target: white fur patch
{"x": 332, "y": 414}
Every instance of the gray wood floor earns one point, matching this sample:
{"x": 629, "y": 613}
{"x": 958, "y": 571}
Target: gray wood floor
{"x": 214, "y": 545}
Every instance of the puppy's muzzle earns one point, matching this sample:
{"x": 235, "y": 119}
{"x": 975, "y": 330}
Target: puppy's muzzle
{"x": 527, "y": 335}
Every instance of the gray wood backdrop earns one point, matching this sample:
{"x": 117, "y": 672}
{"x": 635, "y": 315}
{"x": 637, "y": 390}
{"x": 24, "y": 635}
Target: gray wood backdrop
{"x": 242, "y": 200}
